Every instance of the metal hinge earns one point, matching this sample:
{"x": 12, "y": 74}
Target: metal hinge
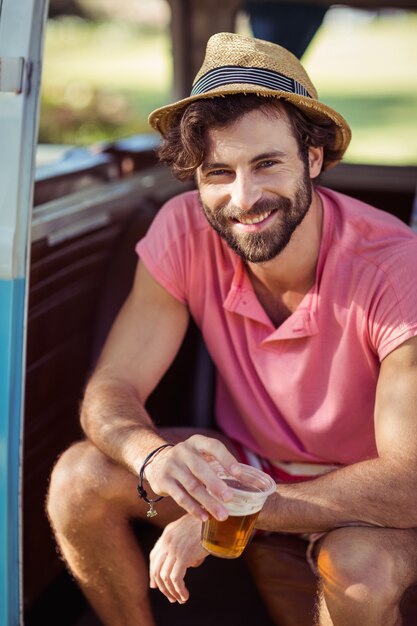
{"x": 11, "y": 74}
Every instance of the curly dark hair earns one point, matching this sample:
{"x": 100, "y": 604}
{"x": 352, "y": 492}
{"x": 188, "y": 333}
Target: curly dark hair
{"x": 183, "y": 147}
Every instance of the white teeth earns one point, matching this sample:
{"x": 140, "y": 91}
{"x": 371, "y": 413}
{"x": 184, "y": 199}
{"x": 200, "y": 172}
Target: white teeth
{"x": 255, "y": 220}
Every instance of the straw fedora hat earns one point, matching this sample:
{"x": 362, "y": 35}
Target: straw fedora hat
{"x": 239, "y": 64}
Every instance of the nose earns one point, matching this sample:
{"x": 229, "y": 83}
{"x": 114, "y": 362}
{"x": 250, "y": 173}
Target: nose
{"x": 245, "y": 191}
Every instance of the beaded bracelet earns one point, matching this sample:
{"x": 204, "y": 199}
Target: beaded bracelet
{"x": 141, "y": 490}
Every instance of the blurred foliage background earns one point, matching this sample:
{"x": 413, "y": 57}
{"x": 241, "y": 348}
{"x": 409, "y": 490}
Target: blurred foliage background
{"x": 108, "y": 64}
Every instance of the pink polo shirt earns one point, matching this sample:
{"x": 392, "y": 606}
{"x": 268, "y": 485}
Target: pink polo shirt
{"x": 304, "y": 391}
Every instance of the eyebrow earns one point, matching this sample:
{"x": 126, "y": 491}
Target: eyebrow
{"x": 213, "y": 166}
{"x": 273, "y": 154}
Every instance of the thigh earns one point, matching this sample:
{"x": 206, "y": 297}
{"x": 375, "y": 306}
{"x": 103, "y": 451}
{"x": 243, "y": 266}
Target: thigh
{"x": 367, "y": 554}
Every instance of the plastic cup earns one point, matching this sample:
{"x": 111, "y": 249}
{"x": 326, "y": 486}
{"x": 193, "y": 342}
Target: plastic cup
{"x": 250, "y": 490}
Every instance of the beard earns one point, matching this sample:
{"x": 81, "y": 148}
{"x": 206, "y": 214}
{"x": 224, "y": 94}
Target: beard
{"x": 259, "y": 247}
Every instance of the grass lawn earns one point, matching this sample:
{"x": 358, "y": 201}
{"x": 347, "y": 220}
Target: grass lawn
{"x": 101, "y": 81}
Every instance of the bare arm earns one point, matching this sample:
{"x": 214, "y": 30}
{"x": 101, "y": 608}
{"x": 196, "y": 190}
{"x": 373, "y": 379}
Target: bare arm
{"x": 378, "y": 491}
{"x": 142, "y": 345}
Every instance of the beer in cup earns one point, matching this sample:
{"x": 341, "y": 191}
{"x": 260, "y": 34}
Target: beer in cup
{"x": 250, "y": 490}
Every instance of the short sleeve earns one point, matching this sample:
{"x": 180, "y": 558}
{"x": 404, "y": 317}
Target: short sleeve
{"x": 163, "y": 250}
{"x": 393, "y": 308}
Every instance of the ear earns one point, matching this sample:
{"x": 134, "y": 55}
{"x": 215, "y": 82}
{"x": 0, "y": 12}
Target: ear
{"x": 315, "y": 161}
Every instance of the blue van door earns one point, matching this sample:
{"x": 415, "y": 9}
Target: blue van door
{"x": 22, "y": 27}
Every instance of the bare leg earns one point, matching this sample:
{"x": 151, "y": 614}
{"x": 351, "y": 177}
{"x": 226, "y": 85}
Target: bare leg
{"x": 364, "y": 574}
{"x": 90, "y": 504}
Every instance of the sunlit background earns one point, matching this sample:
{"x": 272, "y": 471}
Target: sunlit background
{"x": 108, "y": 64}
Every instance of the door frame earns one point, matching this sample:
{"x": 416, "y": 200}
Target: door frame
{"x": 22, "y": 28}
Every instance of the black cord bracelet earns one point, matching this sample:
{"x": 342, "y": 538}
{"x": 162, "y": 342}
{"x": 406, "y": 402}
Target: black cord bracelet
{"x": 141, "y": 490}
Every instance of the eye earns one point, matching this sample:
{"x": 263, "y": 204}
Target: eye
{"x": 265, "y": 164}
{"x": 217, "y": 173}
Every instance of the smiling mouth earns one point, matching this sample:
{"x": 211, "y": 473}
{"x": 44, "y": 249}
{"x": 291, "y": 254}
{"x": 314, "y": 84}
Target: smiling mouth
{"x": 249, "y": 221}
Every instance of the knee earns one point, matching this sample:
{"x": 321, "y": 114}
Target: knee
{"x": 79, "y": 487}
{"x": 355, "y": 569}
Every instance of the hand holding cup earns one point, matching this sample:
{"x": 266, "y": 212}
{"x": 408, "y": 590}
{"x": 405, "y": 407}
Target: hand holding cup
{"x": 250, "y": 488}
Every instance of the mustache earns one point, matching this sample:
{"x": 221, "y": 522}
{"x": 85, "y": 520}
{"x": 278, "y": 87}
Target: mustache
{"x": 263, "y": 205}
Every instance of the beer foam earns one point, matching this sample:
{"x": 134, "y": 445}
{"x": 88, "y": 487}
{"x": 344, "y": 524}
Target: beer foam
{"x": 245, "y": 502}
{"x": 237, "y": 509}
{"x": 250, "y": 488}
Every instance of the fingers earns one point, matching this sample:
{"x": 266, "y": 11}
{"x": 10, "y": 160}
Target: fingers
{"x": 168, "y": 577}
{"x": 197, "y": 501}
{"x": 213, "y": 448}
{"x": 177, "y": 549}
{"x": 184, "y": 472}
{"x": 196, "y": 496}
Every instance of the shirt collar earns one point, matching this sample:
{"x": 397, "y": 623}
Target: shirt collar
{"x": 242, "y": 300}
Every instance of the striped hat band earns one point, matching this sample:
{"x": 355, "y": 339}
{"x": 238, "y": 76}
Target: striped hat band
{"x": 232, "y": 74}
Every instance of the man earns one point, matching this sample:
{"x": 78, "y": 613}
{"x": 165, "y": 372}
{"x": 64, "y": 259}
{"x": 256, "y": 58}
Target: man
{"x": 303, "y": 297}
